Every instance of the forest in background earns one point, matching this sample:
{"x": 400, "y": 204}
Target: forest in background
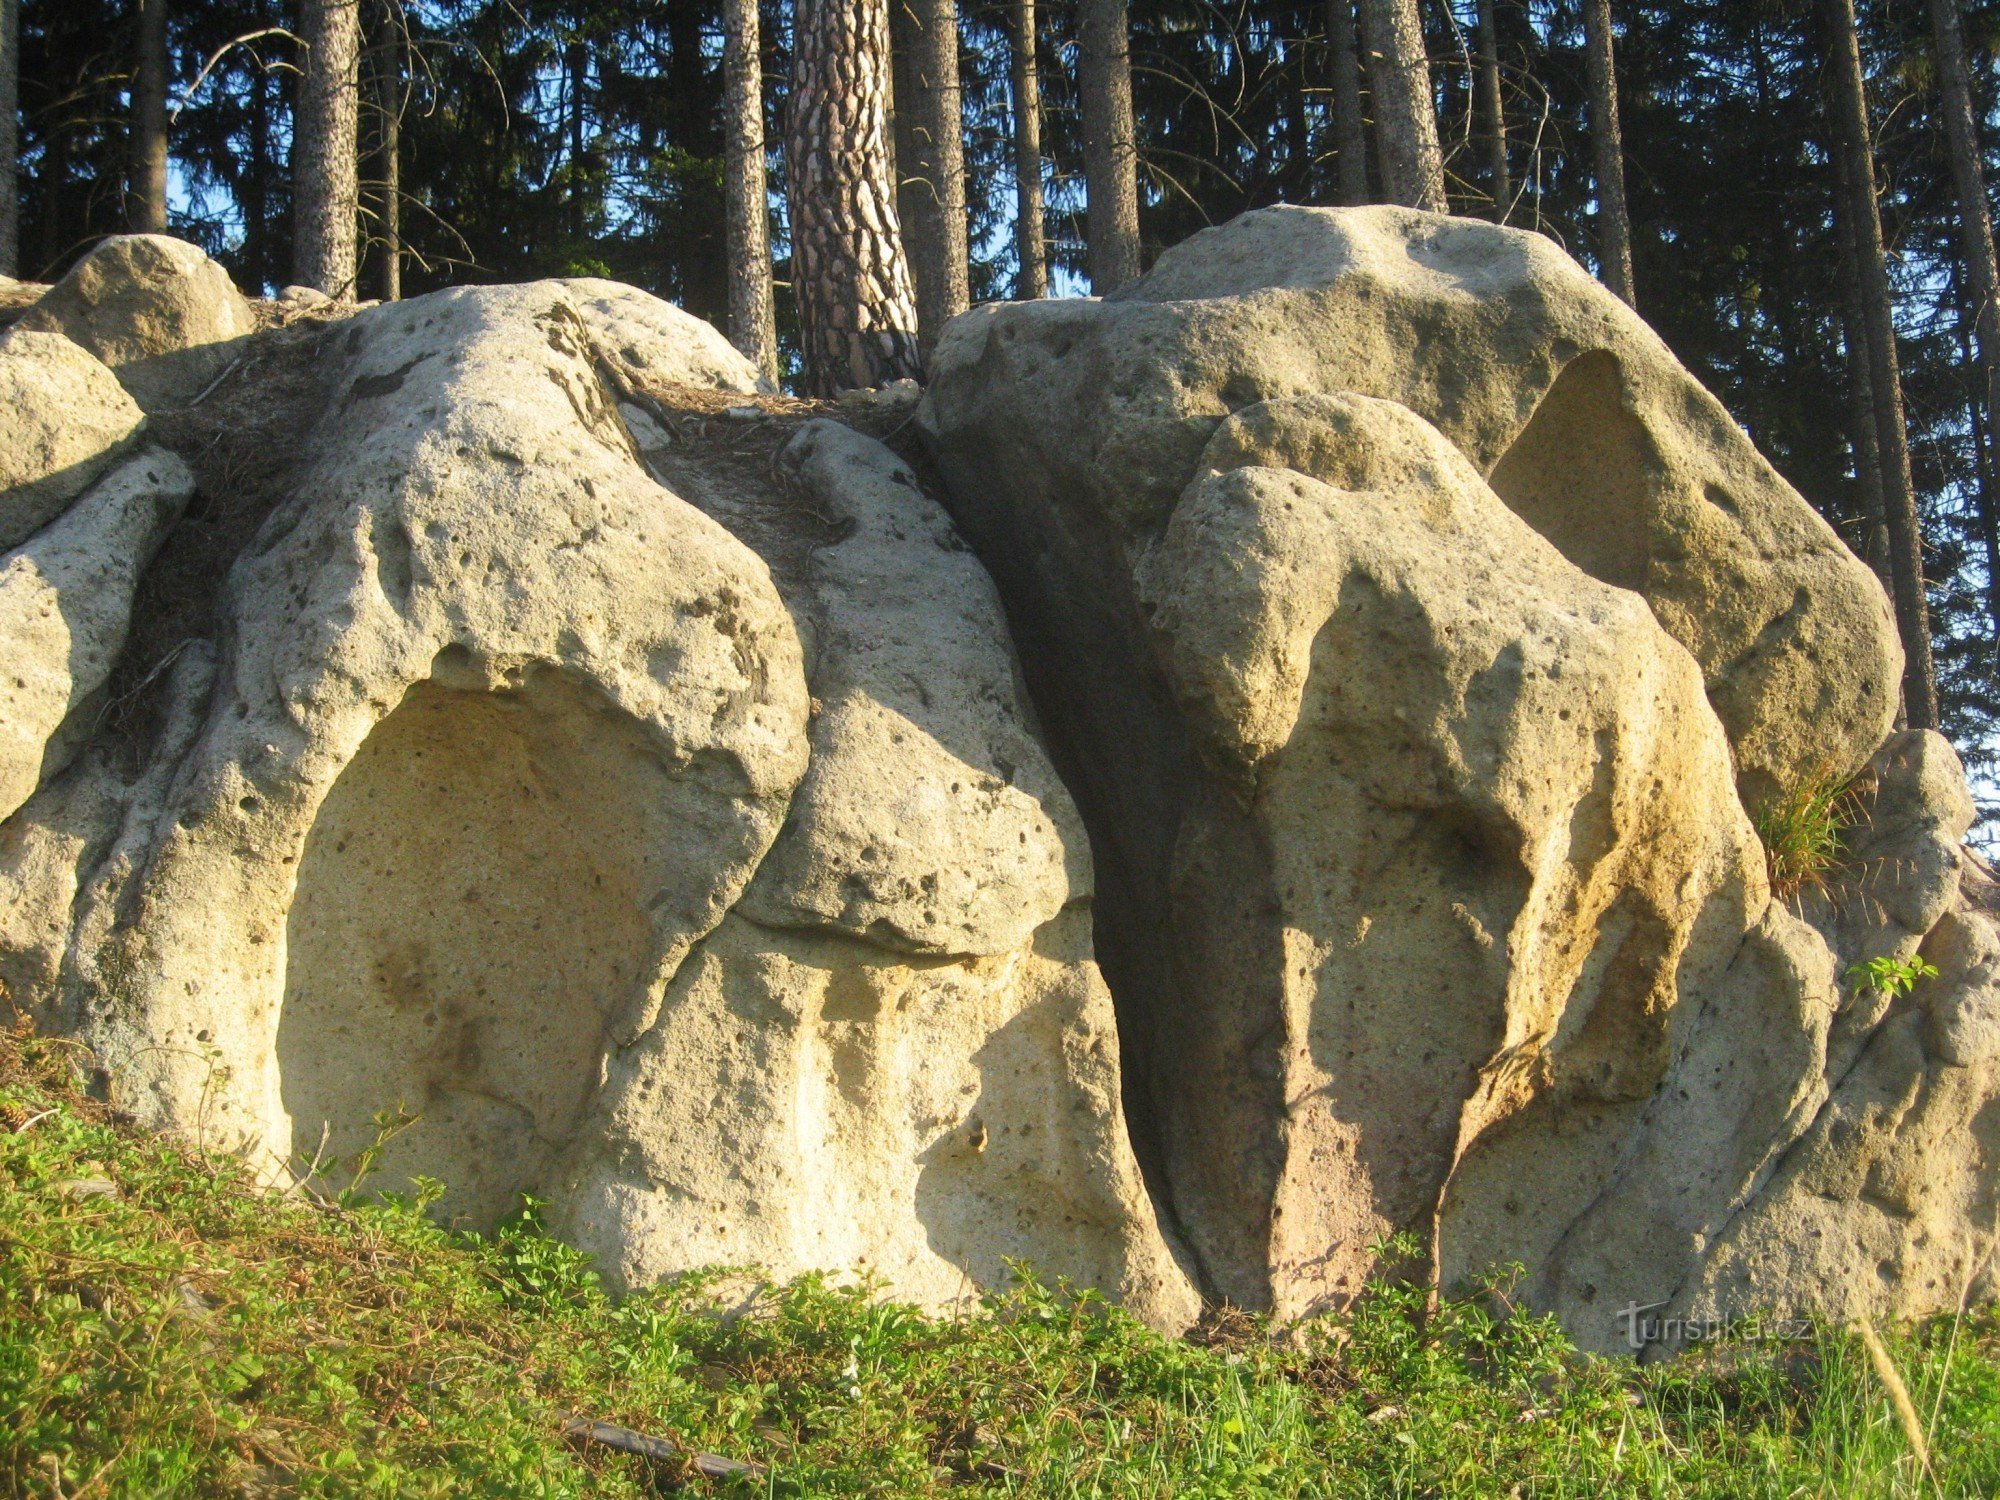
{"x": 524, "y": 138}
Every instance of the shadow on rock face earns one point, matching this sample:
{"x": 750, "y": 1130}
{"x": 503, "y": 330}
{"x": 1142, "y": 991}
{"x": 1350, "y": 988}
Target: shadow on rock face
{"x": 469, "y": 919}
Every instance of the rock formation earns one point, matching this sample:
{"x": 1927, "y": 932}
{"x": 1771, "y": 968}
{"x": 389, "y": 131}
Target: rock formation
{"x": 1414, "y": 633}
{"x": 501, "y": 792}
{"x": 490, "y": 728}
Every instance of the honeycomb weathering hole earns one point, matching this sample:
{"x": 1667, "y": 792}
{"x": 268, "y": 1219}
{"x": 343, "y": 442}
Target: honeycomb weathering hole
{"x": 470, "y": 913}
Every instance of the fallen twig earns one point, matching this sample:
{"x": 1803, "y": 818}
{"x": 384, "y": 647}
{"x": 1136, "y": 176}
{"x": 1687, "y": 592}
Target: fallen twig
{"x": 664, "y": 1450}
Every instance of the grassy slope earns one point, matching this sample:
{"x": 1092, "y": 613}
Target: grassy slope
{"x": 165, "y": 1329}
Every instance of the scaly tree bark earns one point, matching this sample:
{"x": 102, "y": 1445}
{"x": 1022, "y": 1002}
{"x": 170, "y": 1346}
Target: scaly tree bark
{"x": 1030, "y": 231}
{"x": 1350, "y": 127}
{"x": 10, "y": 139}
{"x": 1110, "y": 142}
{"x": 753, "y": 325}
{"x": 387, "y": 77}
{"x": 1906, "y": 563}
{"x": 931, "y": 193}
{"x": 1493, "y": 112}
{"x": 857, "y": 308}
{"x": 1975, "y": 210}
{"x": 1614, "y": 223}
{"x": 146, "y": 199}
{"x": 1399, "y": 79}
{"x": 325, "y": 179}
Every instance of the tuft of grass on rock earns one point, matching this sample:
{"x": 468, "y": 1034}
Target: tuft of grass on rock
{"x": 1804, "y": 832}
{"x": 168, "y": 1329}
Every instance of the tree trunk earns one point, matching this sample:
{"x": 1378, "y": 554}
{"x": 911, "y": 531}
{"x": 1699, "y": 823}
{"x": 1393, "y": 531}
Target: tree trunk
{"x": 54, "y": 185}
{"x": 1350, "y": 127}
{"x": 146, "y": 207}
{"x": 931, "y": 192}
{"x": 1850, "y": 111}
{"x": 1614, "y": 223}
{"x": 1493, "y": 109}
{"x": 1110, "y": 143}
{"x": 857, "y": 308}
{"x": 324, "y": 173}
{"x": 1861, "y": 398}
{"x": 1030, "y": 233}
{"x": 700, "y": 240}
{"x": 1399, "y": 78}
{"x": 576, "y": 70}
{"x": 746, "y": 196}
{"x": 1984, "y": 507}
{"x": 10, "y": 139}
{"x": 389, "y": 108}
{"x": 260, "y": 252}
{"x": 1975, "y": 211}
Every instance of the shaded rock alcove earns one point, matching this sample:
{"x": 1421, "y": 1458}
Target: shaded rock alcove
{"x": 469, "y": 919}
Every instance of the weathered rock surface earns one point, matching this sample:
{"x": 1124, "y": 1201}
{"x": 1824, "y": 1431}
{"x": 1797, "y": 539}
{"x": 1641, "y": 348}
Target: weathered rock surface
{"x": 491, "y": 719}
{"x": 458, "y": 816}
{"x": 65, "y": 607}
{"x": 1409, "y": 626}
{"x": 903, "y": 1008}
{"x": 1577, "y": 414}
{"x": 155, "y": 309}
{"x": 64, "y": 420}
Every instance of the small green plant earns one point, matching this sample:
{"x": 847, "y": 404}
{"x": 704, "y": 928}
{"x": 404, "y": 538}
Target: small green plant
{"x": 1804, "y": 832}
{"x": 1891, "y": 976}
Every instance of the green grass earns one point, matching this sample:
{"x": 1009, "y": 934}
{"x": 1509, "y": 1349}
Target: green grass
{"x": 1804, "y": 831}
{"x": 184, "y": 1334}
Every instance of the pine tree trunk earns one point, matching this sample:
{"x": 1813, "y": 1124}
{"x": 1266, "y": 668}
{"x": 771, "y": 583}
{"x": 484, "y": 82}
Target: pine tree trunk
{"x": 10, "y": 139}
{"x": 385, "y": 97}
{"x": 1399, "y": 78}
{"x": 746, "y": 195}
{"x": 1985, "y": 508}
{"x": 146, "y": 208}
{"x": 1350, "y": 126}
{"x": 260, "y": 250}
{"x": 1861, "y": 397}
{"x": 1975, "y": 210}
{"x": 1850, "y": 111}
{"x": 325, "y": 184}
{"x": 1030, "y": 231}
{"x": 576, "y": 69}
{"x": 857, "y": 308}
{"x": 1493, "y": 110}
{"x": 693, "y": 122}
{"x": 1110, "y": 142}
{"x": 1614, "y": 223}
{"x": 389, "y": 101}
{"x": 931, "y": 192}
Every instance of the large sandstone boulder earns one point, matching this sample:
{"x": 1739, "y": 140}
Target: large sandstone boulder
{"x": 902, "y": 1009}
{"x": 500, "y": 818}
{"x": 64, "y": 420}
{"x": 1412, "y": 629}
{"x": 155, "y": 309}
{"x": 1573, "y": 409}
